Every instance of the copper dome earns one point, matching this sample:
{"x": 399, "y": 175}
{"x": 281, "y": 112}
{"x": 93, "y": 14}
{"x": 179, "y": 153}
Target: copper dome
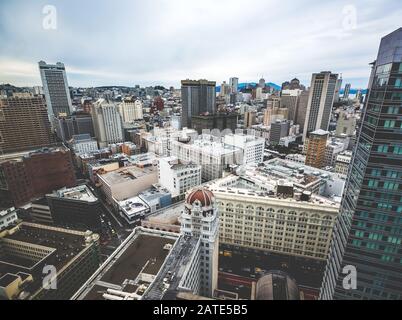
{"x": 204, "y": 196}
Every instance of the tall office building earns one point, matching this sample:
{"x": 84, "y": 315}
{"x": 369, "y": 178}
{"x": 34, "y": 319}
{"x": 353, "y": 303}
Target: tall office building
{"x": 338, "y": 89}
{"x": 289, "y": 100}
{"x": 67, "y": 127}
{"x": 261, "y": 83}
{"x": 107, "y": 123}
{"x": 24, "y": 123}
{"x": 347, "y": 91}
{"x": 197, "y": 97}
{"x": 321, "y": 98}
{"x": 55, "y": 87}
{"x": 368, "y": 232}
{"x": 301, "y": 108}
{"x": 250, "y": 118}
{"x": 234, "y": 84}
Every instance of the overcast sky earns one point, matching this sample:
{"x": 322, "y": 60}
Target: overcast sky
{"x": 128, "y": 42}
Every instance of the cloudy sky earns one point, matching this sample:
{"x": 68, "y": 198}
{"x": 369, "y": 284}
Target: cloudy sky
{"x": 128, "y": 42}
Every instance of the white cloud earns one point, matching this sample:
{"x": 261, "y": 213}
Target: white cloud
{"x": 151, "y": 42}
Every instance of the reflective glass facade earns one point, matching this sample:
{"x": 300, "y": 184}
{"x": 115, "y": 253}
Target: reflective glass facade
{"x": 368, "y": 232}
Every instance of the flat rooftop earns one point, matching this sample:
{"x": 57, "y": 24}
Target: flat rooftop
{"x": 126, "y": 174}
{"x": 143, "y": 252}
{"x": 67, "y": 245}
{"x": 82, "y": 193}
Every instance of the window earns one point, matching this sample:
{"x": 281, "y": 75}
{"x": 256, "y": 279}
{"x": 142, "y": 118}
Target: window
{"x": 383, "y": 148}
{"x": 389, "y": 123}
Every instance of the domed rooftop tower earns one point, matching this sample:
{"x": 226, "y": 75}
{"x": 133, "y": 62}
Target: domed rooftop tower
{"x": 200, "y": 220}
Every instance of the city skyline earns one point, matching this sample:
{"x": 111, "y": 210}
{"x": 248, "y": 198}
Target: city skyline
{"x": 99, "y": 47}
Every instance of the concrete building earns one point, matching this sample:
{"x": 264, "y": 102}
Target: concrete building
{"x": 131, "y": 110}
{"x": 346, "y": 124}
{"x": 321, "y": 98}
{"x": 233, "y": 84}
{"x": 8, "y": 217}
{"x": 261, "y": 210}
{"x": 83, "y": 143}
{"x": 200, "y": 220}
{"x": 279, "y": 129}
{"x": 67, "y": 127}
{"x": 107, "y": 123}
{"x": 301, "y": 112}
{"x": 333, "y": 148}
{"x": 290, "y": 101}
{"x": 127, "y": 182}
{"x": 55, "y": 87}
{"x": 213, "y": 156}
{"x": 24, "y": 124}
{"x": 342, "y": 162}
{"x": 316, "y": 147}
{"x": 29, "y": 249}
{"x": 28, "y": 175}
{"x": 181, "y": 263}
{"x": 252, "y": 147}
{"x": 75, "y": 207}
{"x": 133, "y": 210}
{"x": 221, "y": 121}
{"x": 250, "y": 118}
{"x": 197, "y": 97}
{"x": 177, "y": 177}
{"x": 346, "y": 91}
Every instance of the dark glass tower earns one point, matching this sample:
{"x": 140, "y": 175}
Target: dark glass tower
{"x": 368, "y": 233}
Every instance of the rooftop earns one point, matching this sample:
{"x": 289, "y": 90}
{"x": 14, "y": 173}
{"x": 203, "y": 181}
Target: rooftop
{"x": 132, "y": 267}
{"x": 126, "y": 174}
{"x": 81, "y": 193}
{"x": 58, "y": 247}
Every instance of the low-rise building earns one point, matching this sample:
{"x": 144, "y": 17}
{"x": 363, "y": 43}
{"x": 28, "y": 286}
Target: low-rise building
{"x": 178, "y": 177}
{"x": 342, "y": 162}
{"x": 127, "y": 182}
{"x": 30, "y": 251}
{"x": 8, "y": 217}
{"x": 252, "y": 147}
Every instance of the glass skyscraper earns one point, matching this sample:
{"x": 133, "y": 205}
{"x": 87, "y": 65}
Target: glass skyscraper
{"x": 368, "y": 232}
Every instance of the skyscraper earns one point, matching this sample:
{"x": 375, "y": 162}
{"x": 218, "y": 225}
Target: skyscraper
{"x": 338, "y": 89}
{"x": 23, "y": 123}
{"x": 368, "y": 232}
{"x": 197, "y": 97}
{"x": 321, "y": 98}
{"x": 347, "y": 91}
{"x": 234, "y": 83}
{"x": 55, "y": 87}
{"x": 107, "y": 123}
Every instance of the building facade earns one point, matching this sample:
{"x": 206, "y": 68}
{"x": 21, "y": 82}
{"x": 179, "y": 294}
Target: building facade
{"x": 24, "y": 124}
{"x": 107, "y": 123}
{"x": 320, "y": 101}
{"x": 55, "y": 87}
{"x": 197, "y": 97}
{"x": 367, "y": 235}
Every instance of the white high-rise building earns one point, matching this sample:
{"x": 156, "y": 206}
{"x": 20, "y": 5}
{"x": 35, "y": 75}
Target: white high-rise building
{"x": 178, "y": 177}
{"x": 320, "y": 101}
{"x": 131, "y": 111}
{"x": 234, "y": 83}
{"x": 253, "y": 147}
{"x": 55, "y": 87}
{"x": 200, "y": 219}
{"x": 107, "y": 123}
